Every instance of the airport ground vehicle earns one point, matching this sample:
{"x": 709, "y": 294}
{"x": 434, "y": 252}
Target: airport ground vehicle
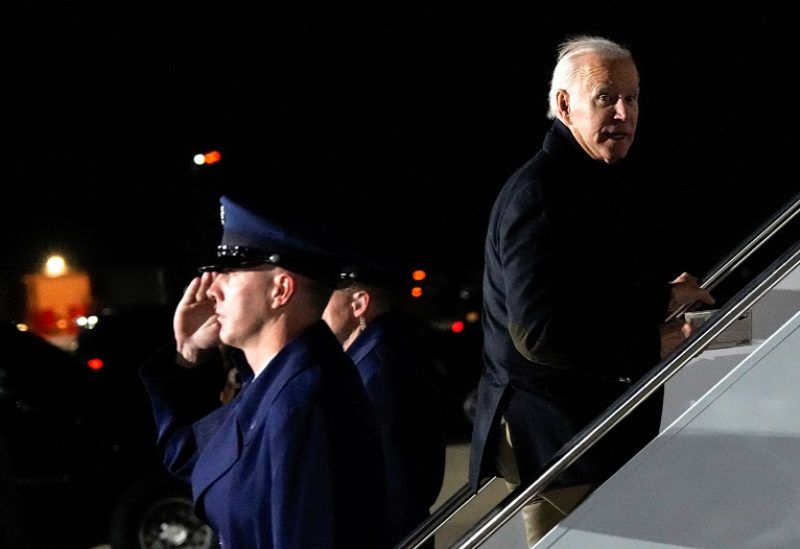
{"x": 78, "y": 465}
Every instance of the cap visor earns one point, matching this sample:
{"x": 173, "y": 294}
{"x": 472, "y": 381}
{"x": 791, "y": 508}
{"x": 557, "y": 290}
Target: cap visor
{"x": 231, "y": 263}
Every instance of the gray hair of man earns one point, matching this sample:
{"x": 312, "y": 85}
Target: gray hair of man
{"x": 565, "y": 73}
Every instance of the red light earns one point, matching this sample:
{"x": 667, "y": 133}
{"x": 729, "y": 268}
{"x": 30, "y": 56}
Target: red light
{"x": 95, "y": 363}
{"x": 457, "y": 327}
{"x": 418, "y": 275}
{"x": 416, "y": 291}
{"x": 212, "y": 157}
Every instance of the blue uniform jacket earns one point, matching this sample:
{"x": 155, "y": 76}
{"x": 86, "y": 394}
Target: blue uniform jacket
{"x": 293, "y": 462}
{"x": 409, "y": 417}
{"x": 572, "y": 302}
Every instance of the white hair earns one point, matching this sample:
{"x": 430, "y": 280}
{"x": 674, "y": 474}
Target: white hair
{"x": 565, "y": 72}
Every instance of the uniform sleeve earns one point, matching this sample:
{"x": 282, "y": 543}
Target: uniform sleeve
{"x": 178, "y": 398}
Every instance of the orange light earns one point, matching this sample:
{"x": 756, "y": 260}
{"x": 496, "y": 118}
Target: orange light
{"x": 457, "y": 327}
{"x": 95, "y": 363}
{"x": 212, "y": 157}
{"x": 419, "y": 274}
{"x": 416, "y": 291}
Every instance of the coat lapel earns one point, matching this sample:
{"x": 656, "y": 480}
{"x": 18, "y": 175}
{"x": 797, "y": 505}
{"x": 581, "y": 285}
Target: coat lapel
{"x": 221, "y": 449}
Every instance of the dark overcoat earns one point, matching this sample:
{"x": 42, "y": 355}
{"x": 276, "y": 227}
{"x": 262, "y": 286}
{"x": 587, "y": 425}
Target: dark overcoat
{"x": 572, "y": 303}
{"x": 293, "y": 462}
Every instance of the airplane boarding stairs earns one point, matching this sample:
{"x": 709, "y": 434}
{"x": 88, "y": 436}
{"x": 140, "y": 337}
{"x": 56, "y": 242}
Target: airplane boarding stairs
{"x": 725, "y": 469}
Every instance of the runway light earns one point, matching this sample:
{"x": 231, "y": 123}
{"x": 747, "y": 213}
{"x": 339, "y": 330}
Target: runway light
{"x": 95, "y": 363}
{"x": 418, "y": 275}
{"x": 457, "y": 327}
{"x": 416, "y": 291}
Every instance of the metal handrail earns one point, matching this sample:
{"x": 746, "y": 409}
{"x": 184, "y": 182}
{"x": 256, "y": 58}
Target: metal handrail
{"x": 634, "y": 396}
{"x": 749, "y": 245}
{"x": 442, "y": 514}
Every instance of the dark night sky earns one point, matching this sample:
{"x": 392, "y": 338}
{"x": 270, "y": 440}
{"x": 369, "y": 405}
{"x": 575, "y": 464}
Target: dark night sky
{"x": 398, "y": 124}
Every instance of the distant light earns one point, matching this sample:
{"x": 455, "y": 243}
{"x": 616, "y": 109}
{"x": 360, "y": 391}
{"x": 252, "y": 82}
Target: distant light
{"x": 22, "y": 327}
{"x": 419, "y": 274}
{"x": 55, "y": 266}
{"x": 211, "y": 157}
{"x": 473, "y": 316}
{"x": 95, "y": 363}
{"x": 87, "y": 322}
{"x": 457, "y": 327}
{"x": 416, "y": 291}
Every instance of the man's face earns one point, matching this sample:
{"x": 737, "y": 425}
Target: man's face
{"x": 604, "y": 109}
{"x": 339, "y": 314}
{"x": 242, "y": 303}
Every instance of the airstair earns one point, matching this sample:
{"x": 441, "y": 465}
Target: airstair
{"x": 725, "y": 469}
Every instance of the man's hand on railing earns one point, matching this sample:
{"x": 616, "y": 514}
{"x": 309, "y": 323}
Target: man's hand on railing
{"x": 672, "y": 335}
{"x": 686, "y": 291}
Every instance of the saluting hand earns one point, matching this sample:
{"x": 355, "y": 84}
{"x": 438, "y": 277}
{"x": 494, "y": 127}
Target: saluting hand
{"x": 195, "y": 324}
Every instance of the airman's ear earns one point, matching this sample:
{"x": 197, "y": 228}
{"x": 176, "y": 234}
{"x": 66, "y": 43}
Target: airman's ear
{"x": 360, "y": 302}
{"x": 282, "y": 289}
